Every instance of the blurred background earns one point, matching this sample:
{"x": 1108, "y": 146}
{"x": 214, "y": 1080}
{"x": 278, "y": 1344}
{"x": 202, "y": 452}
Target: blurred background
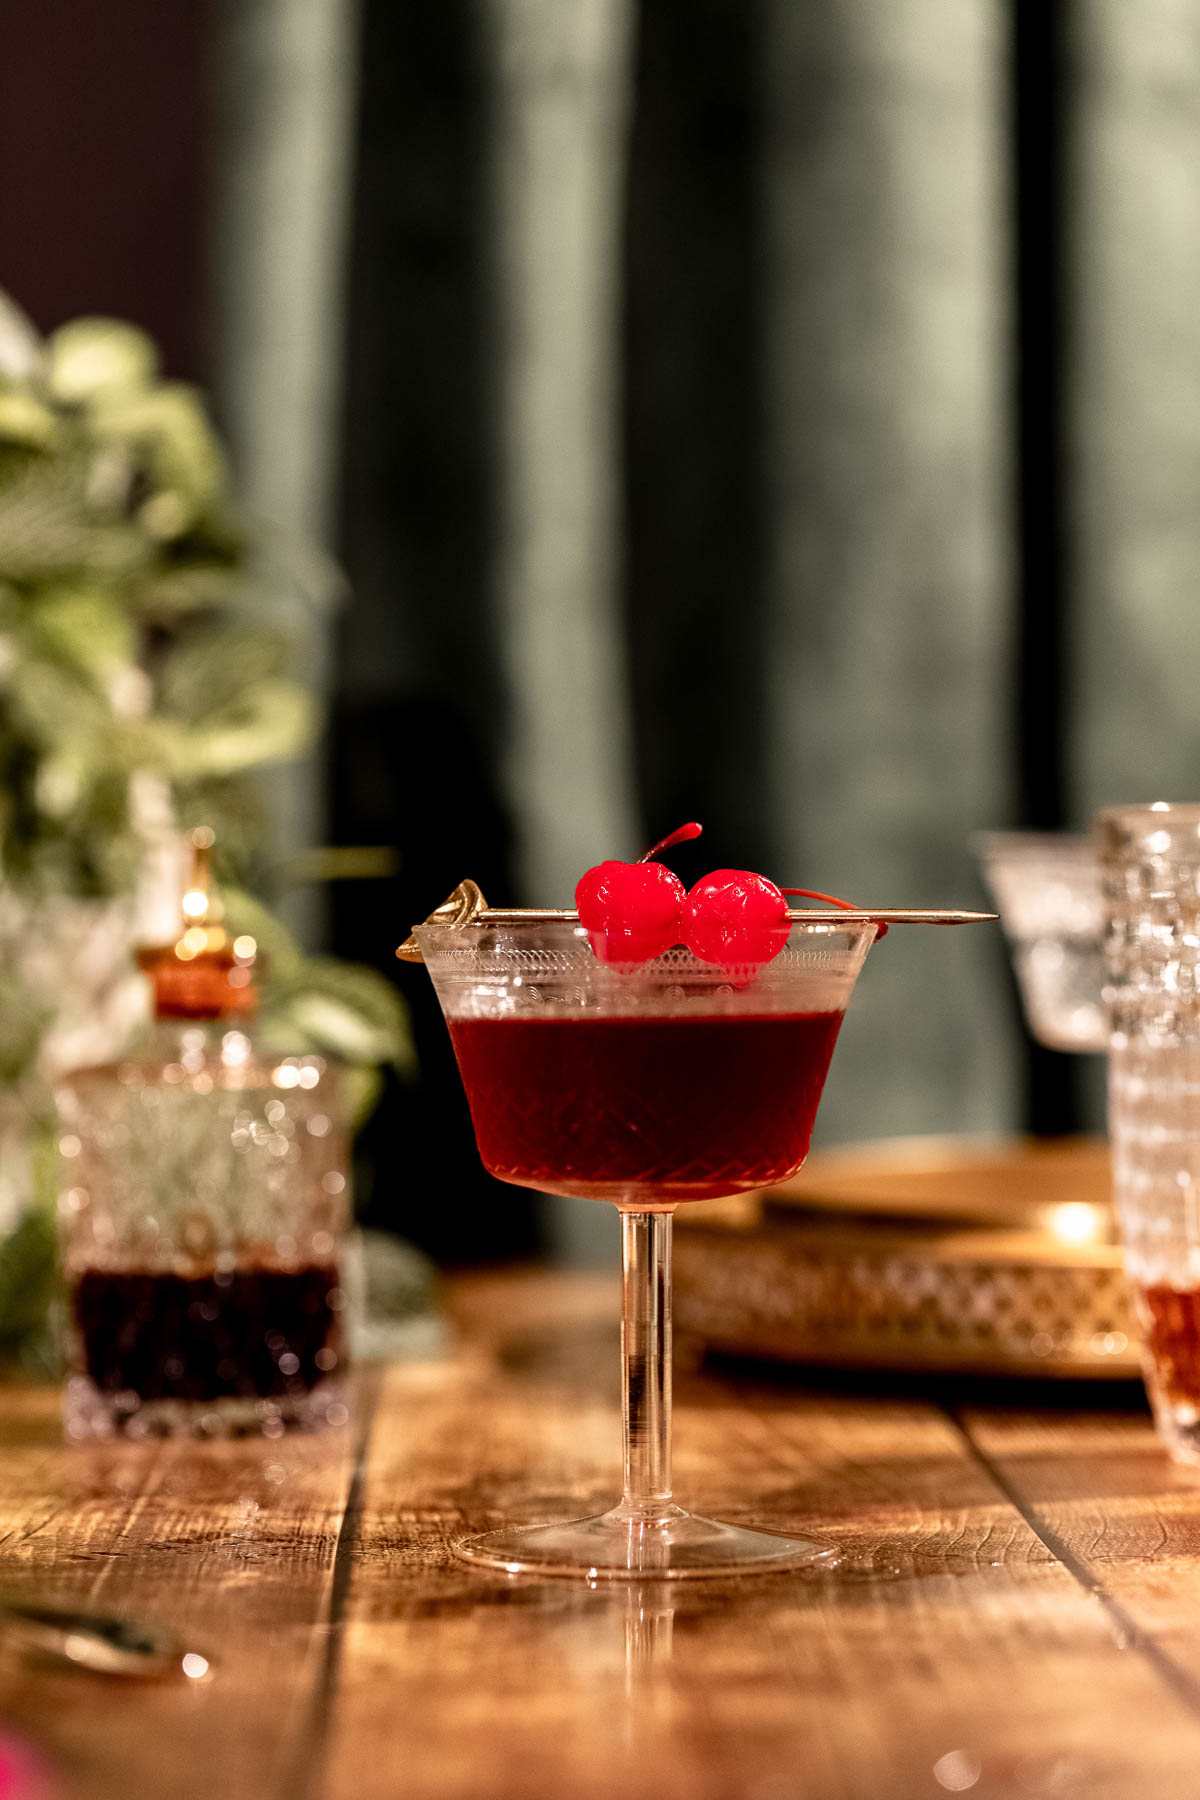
{"x": 782, "y": 416}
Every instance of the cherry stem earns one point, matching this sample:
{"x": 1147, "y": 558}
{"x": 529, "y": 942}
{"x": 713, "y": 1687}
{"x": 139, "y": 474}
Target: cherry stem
{"x": 829, "y": 899}
{"x": 881, "y": 929}
{"x": 682, "y": 836}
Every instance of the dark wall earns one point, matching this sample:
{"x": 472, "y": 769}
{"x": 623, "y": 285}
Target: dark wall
{"x": 419, "y": 708}
{"x": 103, "y": 119}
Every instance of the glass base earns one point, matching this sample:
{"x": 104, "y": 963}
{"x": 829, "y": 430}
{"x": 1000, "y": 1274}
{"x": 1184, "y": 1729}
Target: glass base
{"x": 1178, "y": 1424}
{"x": 632, "y": 1545}
{"x": 90, "y": 1414}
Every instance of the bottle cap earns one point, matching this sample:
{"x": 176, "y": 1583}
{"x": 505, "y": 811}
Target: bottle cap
{"x": 205, "y": 973}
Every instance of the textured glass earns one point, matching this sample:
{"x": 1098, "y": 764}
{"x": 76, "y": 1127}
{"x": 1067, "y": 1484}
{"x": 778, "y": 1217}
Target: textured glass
{"x": 203, "y": 1199}
{"x": 1151, "y": 879}
{"x": 505, "y": 969}
{"x": 1046, "y": 886}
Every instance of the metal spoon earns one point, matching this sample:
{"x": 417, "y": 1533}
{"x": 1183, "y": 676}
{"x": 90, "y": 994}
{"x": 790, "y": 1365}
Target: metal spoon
{"x": 102, "y": 1643}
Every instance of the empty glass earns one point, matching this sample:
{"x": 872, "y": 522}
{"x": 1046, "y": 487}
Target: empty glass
{"x": 1046, "y": 886}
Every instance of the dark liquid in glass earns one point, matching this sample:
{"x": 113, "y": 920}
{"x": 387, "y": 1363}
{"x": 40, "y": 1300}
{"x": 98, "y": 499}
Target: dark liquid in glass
{"x": 254, "y": 1332}
{"x": 662, "y": 1109}
{"x": 1171, "y": 1318}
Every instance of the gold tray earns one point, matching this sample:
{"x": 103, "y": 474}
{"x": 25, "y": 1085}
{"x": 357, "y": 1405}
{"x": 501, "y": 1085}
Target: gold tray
{"x": 942, "y": 1255}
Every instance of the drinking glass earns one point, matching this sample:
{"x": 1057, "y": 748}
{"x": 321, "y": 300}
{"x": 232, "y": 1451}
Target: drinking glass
{"x": 1150, "y": 863}
{"x": 644, "y": 1085}
{"x": 202, "y": 1216}
{"x": 1046, "y": 885}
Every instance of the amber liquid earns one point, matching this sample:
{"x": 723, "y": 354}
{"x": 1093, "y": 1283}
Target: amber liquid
{"x": 649, "y": 1109}
{"x": 256, "y": 1333}
{"x": 1171, "y": 1318}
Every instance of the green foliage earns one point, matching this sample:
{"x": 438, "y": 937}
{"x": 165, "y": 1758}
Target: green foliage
{"x": 132, "y": 636}
{"x": 137, "y": 644}
{"x": 137, "y": 640}
{"x": 28, "y": 1276}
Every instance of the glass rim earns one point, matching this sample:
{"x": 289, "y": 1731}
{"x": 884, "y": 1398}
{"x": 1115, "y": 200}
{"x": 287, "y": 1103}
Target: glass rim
{"x": 1185, "y": 811}
{"x": 561, "y": 963}
{"x": 467, "y": 910}
{"x": 517, "y": 924}
{"x": 1034, "y": 843}
{"x": 532, "y": 915}
{"x": 1122, "y": 833}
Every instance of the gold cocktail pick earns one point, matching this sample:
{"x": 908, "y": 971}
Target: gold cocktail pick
{"x": 467, "y": 906}
{"x": 463, "y": 907}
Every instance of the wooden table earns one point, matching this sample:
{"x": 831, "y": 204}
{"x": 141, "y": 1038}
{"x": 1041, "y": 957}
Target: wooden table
{"x": 1018, "y": 1611}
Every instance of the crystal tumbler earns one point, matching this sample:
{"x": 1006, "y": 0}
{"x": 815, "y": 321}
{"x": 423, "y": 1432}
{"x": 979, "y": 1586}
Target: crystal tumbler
{"x": 1150, "y": 870}
{"x": 203, "y": 1205}
{"x": 202, "y": 1208}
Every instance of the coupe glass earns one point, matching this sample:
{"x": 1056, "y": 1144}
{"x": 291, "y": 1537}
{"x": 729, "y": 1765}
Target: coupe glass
{"x": 644, "y": 1085}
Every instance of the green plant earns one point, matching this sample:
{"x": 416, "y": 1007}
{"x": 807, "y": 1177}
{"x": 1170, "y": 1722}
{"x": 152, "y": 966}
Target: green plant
{"x": 133, "y": 635}
{"x": 145, "y": 677}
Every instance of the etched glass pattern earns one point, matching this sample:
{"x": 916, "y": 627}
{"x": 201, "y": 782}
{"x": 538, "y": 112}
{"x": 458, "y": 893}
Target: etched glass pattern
{"x": 1151, "y": 883}
{"x": 203, "y": 1200}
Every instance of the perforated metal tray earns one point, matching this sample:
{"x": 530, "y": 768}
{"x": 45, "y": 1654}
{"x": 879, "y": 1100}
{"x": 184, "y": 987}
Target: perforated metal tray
{"x": 937, "y": 1254}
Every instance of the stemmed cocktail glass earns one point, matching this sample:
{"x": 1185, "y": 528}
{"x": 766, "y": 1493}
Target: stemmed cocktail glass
{"x": 646, "y": 1085}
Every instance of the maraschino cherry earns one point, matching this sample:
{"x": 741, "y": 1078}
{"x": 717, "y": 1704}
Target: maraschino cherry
{"x": 735, "y": 917}
{"x": 631, "y": 910}
{"x": 634, "y": 911}
{"x": 740, "y": 919}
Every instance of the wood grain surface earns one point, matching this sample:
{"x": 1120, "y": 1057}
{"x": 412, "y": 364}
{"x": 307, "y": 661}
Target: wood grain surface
{"x": 1016, "y": 1612}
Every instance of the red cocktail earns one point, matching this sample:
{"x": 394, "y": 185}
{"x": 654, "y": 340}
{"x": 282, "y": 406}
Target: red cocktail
{"x": 664, "y": 1109}
{"x": 645, "y": 1082}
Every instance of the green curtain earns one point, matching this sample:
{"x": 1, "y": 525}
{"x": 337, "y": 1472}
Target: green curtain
{"x": 677, "y": 448}
{"x": 882, "y": 628}
{"x": 1134, "y": 398}
{"x": 887, "y": 635}
{"x": 282, "y": 167}
{"x": 561, "y": 85}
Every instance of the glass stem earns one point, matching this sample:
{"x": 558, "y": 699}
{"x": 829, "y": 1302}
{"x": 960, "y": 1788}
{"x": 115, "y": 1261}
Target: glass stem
{"x": 646, "y": 1360}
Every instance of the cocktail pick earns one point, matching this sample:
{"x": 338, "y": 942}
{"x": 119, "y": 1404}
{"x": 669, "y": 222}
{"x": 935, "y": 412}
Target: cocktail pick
{"x": 462, "y": 908}
{"x": 467, "y": 906}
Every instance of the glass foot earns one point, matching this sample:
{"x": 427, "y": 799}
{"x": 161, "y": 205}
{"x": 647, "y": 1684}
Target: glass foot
{"x": 89, "y": 1413}
{"x": 629, "y": 1545}
{"x": 1178, "y": 1422}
